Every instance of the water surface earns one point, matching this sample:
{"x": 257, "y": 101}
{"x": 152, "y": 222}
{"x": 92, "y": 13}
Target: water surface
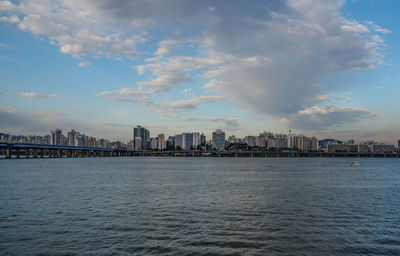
{"x": 199, "y": 206}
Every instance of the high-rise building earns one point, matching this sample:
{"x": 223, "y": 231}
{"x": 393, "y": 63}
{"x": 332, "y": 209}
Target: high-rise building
{"x": 218, "y": 140}
{"x": 56, "y": 137}
{"x": 137, "y": 143}
{"x": 188, "y": 141}
{"x": 72, "y": 138}
{"x": 92, "y": 142}
{"x": 260, "y": 141}
{"x": 153, "y": 143}
{"x": 196, "y": 140}
{"x": 179, "y": 141}
{"x": 307, "y": 144}
{"x": 144, "y": 134}
{"x": 250, "y": 141}
{"x": 398, "y": 145}
{"x": 277, "y": 141}
{"x": 161, "y": 141}
{"x": 170, "y": 142}
{"x": 203, "y": 139}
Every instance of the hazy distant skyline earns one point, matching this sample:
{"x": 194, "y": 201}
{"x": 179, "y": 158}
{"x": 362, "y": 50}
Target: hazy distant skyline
{"x": 324, "y": 68}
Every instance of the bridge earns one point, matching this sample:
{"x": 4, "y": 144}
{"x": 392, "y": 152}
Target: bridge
{"x": 17, "y": 150}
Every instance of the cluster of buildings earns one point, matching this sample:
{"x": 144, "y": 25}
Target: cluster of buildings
{"x": 270, "y": 141}
{"x": 364, "y": 147}
{"x": 197, "y": 141}
{"x": 184, "y": 141}
{"x": 72, "y": 138}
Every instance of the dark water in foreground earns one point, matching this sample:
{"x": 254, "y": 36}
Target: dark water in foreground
{"x": 199, "y": 206}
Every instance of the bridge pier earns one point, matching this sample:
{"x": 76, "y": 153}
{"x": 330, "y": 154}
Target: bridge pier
{"x": 17, "y": 153}
{"x": 8, "y": 153}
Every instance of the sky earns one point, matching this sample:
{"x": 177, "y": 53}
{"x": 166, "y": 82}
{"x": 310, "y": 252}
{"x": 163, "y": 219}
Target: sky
{"x": 324, "y": 68}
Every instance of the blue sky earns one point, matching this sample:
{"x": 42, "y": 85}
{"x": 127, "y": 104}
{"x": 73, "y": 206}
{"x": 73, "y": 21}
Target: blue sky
{"x": 324, "y": 68}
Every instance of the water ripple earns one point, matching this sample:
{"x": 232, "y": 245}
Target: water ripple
{"x": 181, "y": 206}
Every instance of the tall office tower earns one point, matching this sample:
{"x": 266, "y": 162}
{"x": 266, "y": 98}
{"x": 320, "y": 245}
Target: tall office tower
{"x": 203, "y": 139}
{"x": 314, "y": 144}
{"x": 398, "y": 145}
{"x": 170, "y": 142}
{"x": 196, "y": 140}
{"x": 161, "y": 141}
{"x": 64, "y": 140}
{"x": 137, "y": 143}
{"x": 188, "y": 141}
{"x": 47, "y": 140}
{"x": 144, "y": 134}
{"x": 56, "y": 137}
{"x": 72, "y": 138}
{"x": 179, "y": 141}
{"x": 218, "y": 140}
{"x": 153, "y": 143}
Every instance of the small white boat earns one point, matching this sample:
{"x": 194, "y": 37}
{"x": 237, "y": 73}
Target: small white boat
{"x": 355, "y": 164}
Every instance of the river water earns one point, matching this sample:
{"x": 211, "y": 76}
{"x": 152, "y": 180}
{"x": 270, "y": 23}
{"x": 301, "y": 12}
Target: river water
{"x": 199, "y": 206}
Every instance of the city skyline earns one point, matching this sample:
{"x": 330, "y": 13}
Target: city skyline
{"x": 321, "y": 68}
{"x": 186, "y": 141}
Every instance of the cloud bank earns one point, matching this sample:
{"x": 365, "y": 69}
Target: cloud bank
{"x": 34, "y": 95}
{"x": 266, "y": 56}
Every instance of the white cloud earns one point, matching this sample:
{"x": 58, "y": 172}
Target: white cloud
{"x": 267, "y": 59}
{"x": 84, "y": 64}
{"x": 383, "y": 30}
{"x": 182, "y": 106}
{"x": 328, "y": 117}
{"x": 127, "y": 95}
{"x": 163, "y": 108}
{"x": 10, "y": 19}
{"x": 166, "y": 81}
{"x": 355, "y": 28}
{"x": 77, "y": 27}
{"x": 167, "y": 47}
{"x": 186, "y": 91}
{"x": 34, "y": 95}
{"x": 7, "y": 6}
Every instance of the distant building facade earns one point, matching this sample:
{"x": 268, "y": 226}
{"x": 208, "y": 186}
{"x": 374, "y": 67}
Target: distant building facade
{"x": 161, "y": 141}
{"x": 218, "y": 140}
{"x": 143, "y": 134}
